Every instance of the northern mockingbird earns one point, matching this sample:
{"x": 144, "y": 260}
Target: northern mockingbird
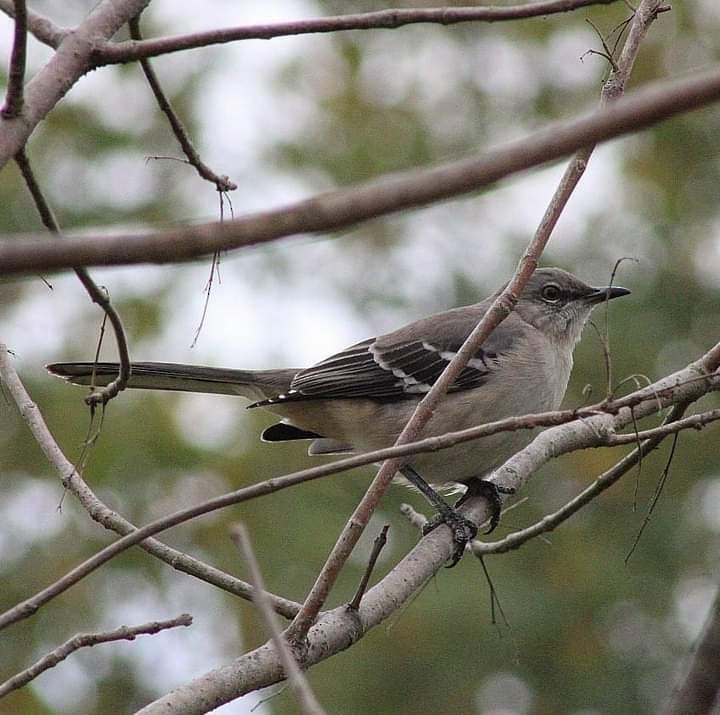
{"x": 361, "y": 398}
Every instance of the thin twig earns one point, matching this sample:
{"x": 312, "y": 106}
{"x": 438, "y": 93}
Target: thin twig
{"x": 214, "y": 270}
{"x": 605, "y": 338}
{"x": 390, "y": 19}
{"x": 14, "y": 98}
{"x": 603, "y": 482}
{"x": 98, "y": 295}
{"x": 222, "y": 183}
{"x": 309, "y": 704}
{"x": 87, "y": 640}
{"x": 655, "y": 497}
{"x": 41, "y": 27}
{"x": 345, "y": 207}
{"x": 378, "y": 546}
{"x": 101, "y": 513}
{"x": 640, "y": 461}
{"x": 494, "y": 598}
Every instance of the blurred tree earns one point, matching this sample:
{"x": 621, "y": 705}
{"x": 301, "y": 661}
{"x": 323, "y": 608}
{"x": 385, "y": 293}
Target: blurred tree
{"x": 588, "y": 632}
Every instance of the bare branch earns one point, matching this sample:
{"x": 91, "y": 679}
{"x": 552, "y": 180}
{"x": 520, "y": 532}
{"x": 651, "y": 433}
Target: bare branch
{"x": 14, "y": 98}
{"x": 39, "y": 26}
{"x": 101, "y": 513}
{"x": 695, "y": 422}
{"x": 378, "y": 546}
{"x": 345, "y": 207}
{"x": 693, "y": 381}
{"x": 98, "y": 295}
{"x": 309, "y": 704}
{"x": 222, "y": 183}
{"x": 335, "y": 630}
{"x": 698, "y": 692}
{"x": 87, "y": 640}
{"x": 70, "y": 62}
{"x": 603, "y": 482}
{"x": 501, "y": 307}
{"x": 390, "y": 19}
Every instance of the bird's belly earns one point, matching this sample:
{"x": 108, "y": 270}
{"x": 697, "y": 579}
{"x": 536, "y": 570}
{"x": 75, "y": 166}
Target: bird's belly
{"x": 369, "y": 425}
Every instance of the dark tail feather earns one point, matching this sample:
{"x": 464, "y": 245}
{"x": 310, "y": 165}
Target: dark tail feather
{"x": 253, "y": 384}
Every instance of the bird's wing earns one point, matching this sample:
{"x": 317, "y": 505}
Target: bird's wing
{"x": 403, "y": 364}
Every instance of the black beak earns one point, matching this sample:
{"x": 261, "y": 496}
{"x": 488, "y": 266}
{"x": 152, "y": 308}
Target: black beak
{"x": 599, "y": 295}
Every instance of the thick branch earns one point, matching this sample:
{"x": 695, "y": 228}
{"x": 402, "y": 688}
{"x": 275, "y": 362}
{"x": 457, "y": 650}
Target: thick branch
{"x": 16, "y": 76}
{"x": 338, "y": 629}
{"x": 382, "y": 19}
{"x": 87, "y": 640}
{"x": 345, "y": 207}
{"x": 333, "y": 632}
{"x": 70, "y": 62}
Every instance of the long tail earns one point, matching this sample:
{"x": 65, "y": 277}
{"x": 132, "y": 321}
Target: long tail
{"x": 253, "y": 384}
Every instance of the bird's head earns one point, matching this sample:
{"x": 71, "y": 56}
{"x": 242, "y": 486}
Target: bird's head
{"x": 559, "y": 304}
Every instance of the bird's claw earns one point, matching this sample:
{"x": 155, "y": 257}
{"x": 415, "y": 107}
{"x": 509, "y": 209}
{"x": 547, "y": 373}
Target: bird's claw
{"x": 463, "y": 531}
{"x": 489, "y": 491}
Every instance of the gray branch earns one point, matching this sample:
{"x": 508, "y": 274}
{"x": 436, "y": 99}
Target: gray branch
{"x": 339, "y": 628}
{"x": 346, "y": 207}
{"x": 39, "y": 26}
{"x": 389, "y": 19}
{"x": 71, "y": 61}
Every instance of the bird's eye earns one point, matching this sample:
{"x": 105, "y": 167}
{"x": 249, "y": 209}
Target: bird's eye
{"x": 551, "y": 293}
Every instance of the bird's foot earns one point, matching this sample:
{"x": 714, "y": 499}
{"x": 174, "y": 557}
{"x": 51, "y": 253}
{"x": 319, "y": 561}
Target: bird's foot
{"x": 463, "y": 531}
{"x": 491, "y": 492}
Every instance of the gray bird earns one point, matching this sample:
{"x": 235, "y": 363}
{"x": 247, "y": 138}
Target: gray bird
{"x": 361, "y": 398}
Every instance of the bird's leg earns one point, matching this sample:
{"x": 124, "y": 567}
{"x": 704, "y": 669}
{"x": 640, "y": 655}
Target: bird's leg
{"x": 463, "y": 529}
{"x": 488, "y": 490}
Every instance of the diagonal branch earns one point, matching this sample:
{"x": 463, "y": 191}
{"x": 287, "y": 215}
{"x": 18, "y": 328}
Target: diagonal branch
{"x": 16, "y": 76}
{"x": 87, "y": 640}
{"x": 389, "y": 19}
{"x": 346, "y": 207}
{"x": 98, "y": 295}
{"x": 501, "y": 307}
{"x": 101, "y": 513}
{"x": 309, "y": 704}
{"x": 222, "y": 183}
{"x": 39, "y": 26}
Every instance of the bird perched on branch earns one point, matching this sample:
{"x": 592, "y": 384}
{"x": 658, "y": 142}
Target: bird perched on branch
{"x": 361, "y": 398}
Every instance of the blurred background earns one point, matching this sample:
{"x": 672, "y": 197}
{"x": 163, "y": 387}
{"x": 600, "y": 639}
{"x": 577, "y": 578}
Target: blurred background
{"x": 588, "y": 633}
